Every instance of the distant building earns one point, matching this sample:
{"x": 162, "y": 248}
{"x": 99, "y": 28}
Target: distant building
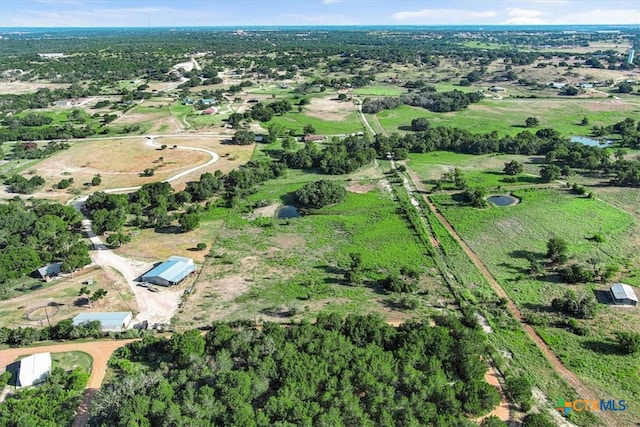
{"x": 497, "y": 89}
{"x": 313, "y": 138}
{"x": 209, "y": 111}
{"x": 171, "y": 272}
{"x": 51, "y": 55}
{"x": 110, "y": 321}
{"x": 50, "y": 271}
{"x": 630, "y": 57}
{"x": 585, "y": 85}
{"x": 34, "y": 369}
{"x": 208, "y": 101}
{"x": 623, "y": 294}
{"x": 557, "y": 85}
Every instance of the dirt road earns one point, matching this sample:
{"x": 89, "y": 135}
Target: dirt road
{"x": 560, "y": 368}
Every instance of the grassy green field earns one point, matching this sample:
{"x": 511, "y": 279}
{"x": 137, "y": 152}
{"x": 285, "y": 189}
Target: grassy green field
{"x": 298, "y": 264}
{"x": 297, "y": 121}
{"x": 379, "y": 90}
{"x": 484, "y": 170}
{"x": 507, "y": 116}
{"x": 504, "y": 238}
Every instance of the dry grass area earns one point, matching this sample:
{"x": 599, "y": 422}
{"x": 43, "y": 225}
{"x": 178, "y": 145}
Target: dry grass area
{"x": 329, "y": 108}
{"x": 60, "y": 297}
{"x": 18, "y": 87}
{"x": 151, "y": 246}
{"x": 118, "y": 161}
{"x": 231, "y": 156}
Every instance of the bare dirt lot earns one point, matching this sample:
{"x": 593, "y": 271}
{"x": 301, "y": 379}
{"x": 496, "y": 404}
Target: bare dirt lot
{"x": 329, "y": 108}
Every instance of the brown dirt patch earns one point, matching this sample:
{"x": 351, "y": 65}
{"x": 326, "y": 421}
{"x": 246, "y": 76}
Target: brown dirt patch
{"x": 288, "y": 241}
{"x": 266, "y": 211}
{"x": 118, "y": 161}
{"x": 329, "y": 108}
{"x": 360, "y": 188}
{"x": 8, "y": 87}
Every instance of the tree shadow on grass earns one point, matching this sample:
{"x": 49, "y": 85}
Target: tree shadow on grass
{"x": 538, "y": 308}
{"x": 172, "y": 229}
{"x": 601, "y": 347}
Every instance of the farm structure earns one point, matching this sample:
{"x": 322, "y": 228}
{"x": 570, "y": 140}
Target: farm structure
{"x": 114, "y": 321}
{"x": 623, "y": 294}
{"x": 171, "y": 272}
{"x": 50, "y": 271}
{"x": 34, "y": 369}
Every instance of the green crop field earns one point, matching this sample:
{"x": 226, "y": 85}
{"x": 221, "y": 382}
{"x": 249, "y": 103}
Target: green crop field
{"x": 505, "y": 239}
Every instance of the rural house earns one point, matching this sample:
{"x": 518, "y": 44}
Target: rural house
{"x": 171, "y": 272}
{"x": 110, "y": 321}
{"x": 50, "y": 271}
{"x": 34, "y": 369}
{"x": 623, "y": 294}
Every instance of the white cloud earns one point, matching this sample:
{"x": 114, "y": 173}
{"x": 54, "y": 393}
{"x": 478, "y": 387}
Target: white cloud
{"x": 604, "y": 16}
{"x": 317, "y": 20}
{"x": 517, "y": 16}
{"x": 331, "y": 1}
{"x": 442, "y": 16}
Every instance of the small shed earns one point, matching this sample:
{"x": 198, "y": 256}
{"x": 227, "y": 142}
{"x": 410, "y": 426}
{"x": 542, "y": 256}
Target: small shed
{"x": 110, "y": 321}
{"x": 50, "y": 271}
{"x": 34, "y": 369}
{"x": 623, "y": 294}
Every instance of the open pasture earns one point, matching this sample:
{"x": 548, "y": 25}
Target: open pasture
{"x": 484, "y": 170}
{"x": 508, "y": 116}
{"x": 285, "y": 270}
{"x": 505, "y": 239}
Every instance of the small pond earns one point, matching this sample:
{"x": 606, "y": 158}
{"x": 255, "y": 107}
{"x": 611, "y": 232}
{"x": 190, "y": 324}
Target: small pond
{"x": 503, "y": 200}
{"x": 590, "y": 141}
{"x": 287, "y": 211}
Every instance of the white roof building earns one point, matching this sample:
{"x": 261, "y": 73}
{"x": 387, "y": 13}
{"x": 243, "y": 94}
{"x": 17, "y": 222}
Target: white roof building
{"x": 623, "y": 294}
{"x": 34, "y": 369}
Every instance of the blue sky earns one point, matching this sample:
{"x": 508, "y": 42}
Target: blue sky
{"x": 144, "y": 13}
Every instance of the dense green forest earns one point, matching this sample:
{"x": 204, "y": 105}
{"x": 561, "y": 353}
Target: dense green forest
{"x": 32, "y": 235}
{"x": 357, "y": 371}
{"x": 54, "y": 403}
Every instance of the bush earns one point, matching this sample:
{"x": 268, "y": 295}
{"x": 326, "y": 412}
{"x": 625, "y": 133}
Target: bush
{"x": 629, "y": 342}
{"x": 583, "y": 307}
{"x": 201, "y": 246}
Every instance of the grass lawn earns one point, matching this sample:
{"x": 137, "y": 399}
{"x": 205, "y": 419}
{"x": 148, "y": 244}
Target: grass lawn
{"x": 72, "y": 360}
{"x": 504, "y": 238}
